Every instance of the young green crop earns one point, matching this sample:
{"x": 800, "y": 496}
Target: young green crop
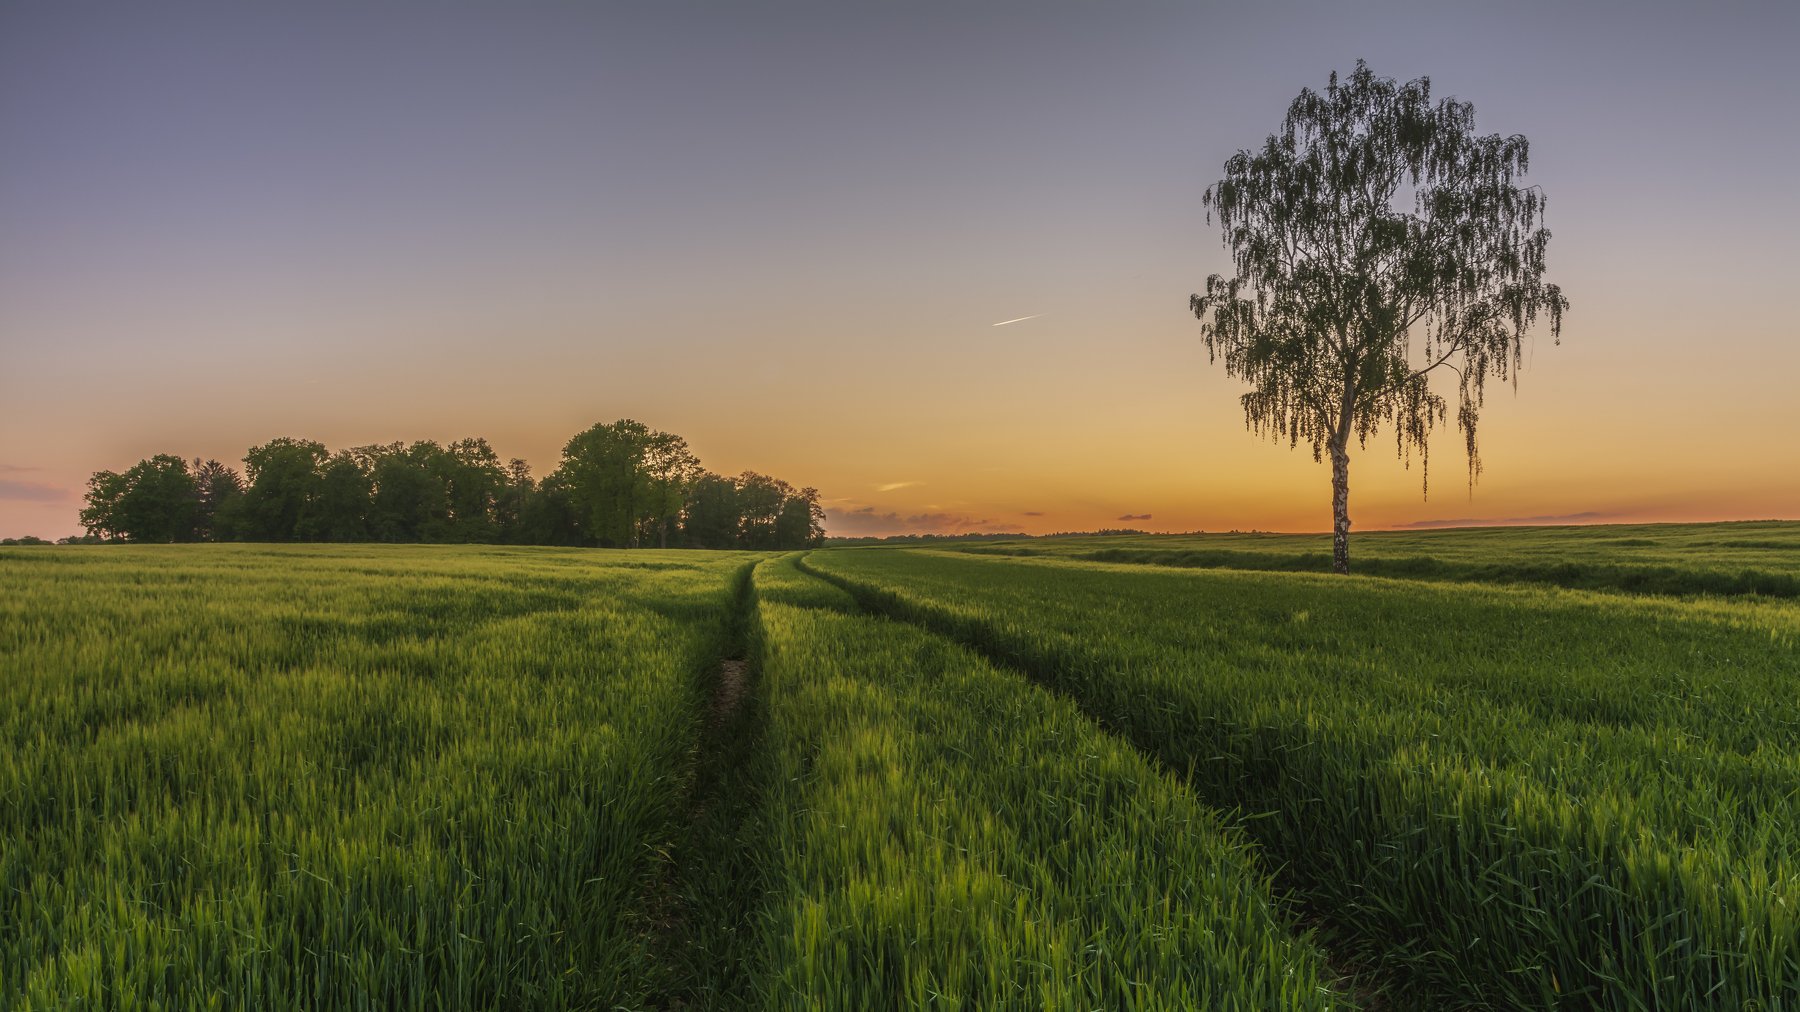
{"x": 1510, "y": 797}
{"x": 376, "y": 777}
{"x": 1761, "y": 557}
{"x": 342, "y": 778}
{"x": 942, "y": 834}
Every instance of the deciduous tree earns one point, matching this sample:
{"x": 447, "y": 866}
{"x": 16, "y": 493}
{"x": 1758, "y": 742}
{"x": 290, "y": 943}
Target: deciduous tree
{"x": 281, "y": 482}
{"x": 1345, "y": 301}
{"x": 155, "y": 500}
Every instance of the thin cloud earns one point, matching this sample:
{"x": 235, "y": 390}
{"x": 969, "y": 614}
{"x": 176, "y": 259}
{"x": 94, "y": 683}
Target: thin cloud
{"x": 1021, "y": 319}
{"x": 865, "y": 521}
{"x": 1135, "y": 516}
{"x": 1031, "y": 513}
{"x": 946, "y": 522}
{"x": 30, "y": 491}
{"x": 892, "y": 485}
{"x": 862, "y": 521}
{"x": 1558, "y": 518}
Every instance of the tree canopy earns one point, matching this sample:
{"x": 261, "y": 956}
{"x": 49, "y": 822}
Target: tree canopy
{"x": 1377, "y": 240}
{"x": 619, "y": 485}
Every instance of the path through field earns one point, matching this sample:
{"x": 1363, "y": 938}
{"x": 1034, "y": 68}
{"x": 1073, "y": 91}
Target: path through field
{"x": 706, "y": 887}
{"x": 1494, "y": 796}
{"x": 349, "y": 777}
{"x": 1361, "y": 981}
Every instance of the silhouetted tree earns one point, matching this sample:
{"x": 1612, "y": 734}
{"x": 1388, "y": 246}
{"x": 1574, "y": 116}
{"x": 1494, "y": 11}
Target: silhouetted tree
{"x": 548, "y": 516}
{"x": 101, "y": 516}
{"x": 510, "y": 508}
{"x": 801, "y": 521}
{"x": 340, "y": 509}
{"x": 155, "y": 500}
{"x": 599, "y": 477}
{"x": 1335, "y": 284}
{"x": 711, "y": 519}
{"x": 626, "y": 481}
{"x": 619, "y": 485}
{"x": 217, "y": 490}
{"x": 409, "y": 501}
{"x": 759, "y": 504}
{"x": 474, "y": 482}
{"x": 281, "y": 482}
{"x": 669, "y": 470}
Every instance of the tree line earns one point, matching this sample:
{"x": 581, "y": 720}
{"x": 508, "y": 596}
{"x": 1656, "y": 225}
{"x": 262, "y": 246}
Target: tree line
{"x": 619, "y": 485}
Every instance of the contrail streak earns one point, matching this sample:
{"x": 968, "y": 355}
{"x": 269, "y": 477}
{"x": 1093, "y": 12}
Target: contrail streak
{"x": 1021, "y": 319}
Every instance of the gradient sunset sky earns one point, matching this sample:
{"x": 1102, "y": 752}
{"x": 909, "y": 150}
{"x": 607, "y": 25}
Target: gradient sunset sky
{"x": 785, "y": 231}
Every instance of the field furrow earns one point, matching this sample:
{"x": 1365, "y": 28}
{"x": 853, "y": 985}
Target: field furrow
{"x": 1753, "y": 559}
{"x": 1508, "y": 798}
{"x": 943, "y": 834}
{"x": 247, "y": 777}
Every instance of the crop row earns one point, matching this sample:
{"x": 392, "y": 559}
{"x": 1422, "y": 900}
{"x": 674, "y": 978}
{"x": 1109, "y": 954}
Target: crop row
{"x": 1504, "y": 797}
{"x": 942, "y": 834}
{"x": 262, "y": 778}
{"x": 1731, "y": 559}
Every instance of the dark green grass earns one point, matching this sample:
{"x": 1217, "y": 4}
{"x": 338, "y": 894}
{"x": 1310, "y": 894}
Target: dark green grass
{"x": 1509, "y": 798}
{"x": 413, "y": 778}
{"x": 343, "y": 778}
{"x": 942, "y": 834}
{"x": 1760, "y": 558}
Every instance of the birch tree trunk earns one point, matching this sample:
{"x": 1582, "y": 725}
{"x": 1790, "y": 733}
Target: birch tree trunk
{"x": 1340, "y": 508}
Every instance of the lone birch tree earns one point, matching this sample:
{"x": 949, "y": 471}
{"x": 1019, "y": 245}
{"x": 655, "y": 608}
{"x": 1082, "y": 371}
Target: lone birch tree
{"x": 1343, "y": 304}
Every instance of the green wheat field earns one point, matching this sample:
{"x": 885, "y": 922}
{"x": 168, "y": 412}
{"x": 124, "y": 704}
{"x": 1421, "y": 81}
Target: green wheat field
{"x": 1544, "y": 768}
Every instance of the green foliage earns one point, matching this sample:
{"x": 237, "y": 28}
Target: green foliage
{"x": 919, "y": 859}
{"x": 354, "y": 778}
{"x": 713, "y": 516}
{"x": 156, "y": 500}
{"x": 219, "y": 492}
{"x": 620, "y": 485}
{"x": 339, "y": 511}
{"x": 281, "y": 484}
{"x": 1732, "y": 559}
{"x": 1503, "y": 797}
{"x": 625, "y": 481}
{"x": 1335, "y": 286}
{"x": 379, "y": 777}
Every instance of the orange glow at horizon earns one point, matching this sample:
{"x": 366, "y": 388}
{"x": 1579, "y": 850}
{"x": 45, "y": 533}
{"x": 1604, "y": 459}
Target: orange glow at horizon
{"x": 953, "y": 301}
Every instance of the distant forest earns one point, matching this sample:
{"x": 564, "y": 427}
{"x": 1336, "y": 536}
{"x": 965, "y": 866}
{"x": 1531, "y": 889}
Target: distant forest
{"x": 620, "y": 485}
{"x": 914, "y": 539}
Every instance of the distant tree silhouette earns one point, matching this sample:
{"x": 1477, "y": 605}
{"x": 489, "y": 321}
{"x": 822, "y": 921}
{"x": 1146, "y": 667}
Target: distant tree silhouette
{"x": 511, "y": 506}
{"x": 760, "y": 499}
{"x": 155, "y": 500}
{"x": 339, "y": 510}
{"x": 217, "y": 490}
{"x": 101, "y": 516}
{"x": 668, "y": 473}
{"x": 801, "y": 521}
{"x": 712, "y": 519}
{"x": 602, "y": 474}
{"x": 475, "y": 481}
{"x": 1335, "y": 285}
{"x": 619, "y": 485}
{"x": 549, "y": 516}
{"x": 282, "y": 481}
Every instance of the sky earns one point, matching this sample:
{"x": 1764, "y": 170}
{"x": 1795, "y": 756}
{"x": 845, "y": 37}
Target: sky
{"x": 786, "y": 232}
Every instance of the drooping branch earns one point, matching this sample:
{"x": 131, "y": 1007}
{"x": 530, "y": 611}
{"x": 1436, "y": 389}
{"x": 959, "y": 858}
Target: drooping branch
{"x": 1331, "y": 281}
